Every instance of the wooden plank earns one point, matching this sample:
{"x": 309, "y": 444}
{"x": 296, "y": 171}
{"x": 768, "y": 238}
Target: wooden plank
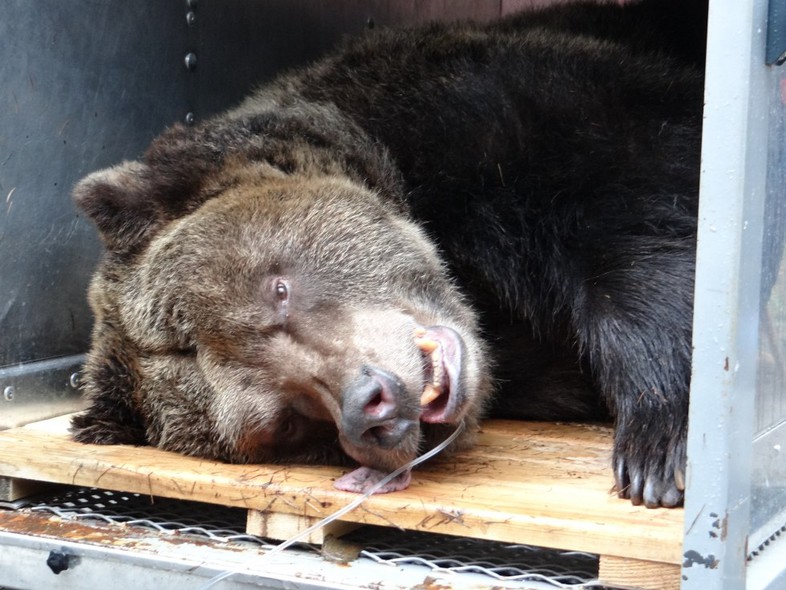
{"x": 12, "y": 488}
{"x": 57, "y": 425}
{"x": 545, "y": 484}
{"x": 623, "y": 572}
{"x": 280, "y": 527}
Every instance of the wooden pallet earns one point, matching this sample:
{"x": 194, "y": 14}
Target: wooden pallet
{"x": 542, "y": 484}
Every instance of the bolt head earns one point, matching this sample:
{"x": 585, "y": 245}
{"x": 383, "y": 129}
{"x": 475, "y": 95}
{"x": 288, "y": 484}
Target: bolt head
{"x": 190, "y": 61}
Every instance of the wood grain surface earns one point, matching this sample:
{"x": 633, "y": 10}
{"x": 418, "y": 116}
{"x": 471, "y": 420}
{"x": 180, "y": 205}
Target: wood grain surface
{"x": 545, "y": 484}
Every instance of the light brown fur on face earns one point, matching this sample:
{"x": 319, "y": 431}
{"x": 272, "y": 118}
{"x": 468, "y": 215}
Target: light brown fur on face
{"x": 252, "y": 317}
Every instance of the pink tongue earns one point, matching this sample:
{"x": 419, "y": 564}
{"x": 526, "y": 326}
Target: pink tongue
{"x": 364, "y": 478}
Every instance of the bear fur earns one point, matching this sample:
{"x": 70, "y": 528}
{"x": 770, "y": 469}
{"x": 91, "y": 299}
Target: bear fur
{"x": 520, "y": 196}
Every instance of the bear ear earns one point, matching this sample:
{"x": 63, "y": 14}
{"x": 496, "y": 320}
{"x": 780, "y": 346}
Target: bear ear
{"x": 120, "y": 202}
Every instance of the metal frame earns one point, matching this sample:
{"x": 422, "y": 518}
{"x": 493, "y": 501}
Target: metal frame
{"x": 732, "y": 214}
{"x": 72, "y": 553}
{"x": 727, "y": 305}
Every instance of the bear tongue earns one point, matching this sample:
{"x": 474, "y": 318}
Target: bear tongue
{"x": 363, "y": 479}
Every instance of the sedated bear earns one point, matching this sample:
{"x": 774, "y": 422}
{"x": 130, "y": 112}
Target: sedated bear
{"x": 424, "y": 228}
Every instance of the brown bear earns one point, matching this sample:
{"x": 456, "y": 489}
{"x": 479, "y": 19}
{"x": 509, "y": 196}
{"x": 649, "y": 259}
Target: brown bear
{"x": 423, "y": 228}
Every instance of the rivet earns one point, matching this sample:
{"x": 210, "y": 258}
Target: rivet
{"x": 8, "y": 393}
{"x": 190, "y": 61}
{"x": 75, "y": 380}
{"x": 190, "y": 118}
{"x": 190, "y": 18}
{"x": 192, "y": 3}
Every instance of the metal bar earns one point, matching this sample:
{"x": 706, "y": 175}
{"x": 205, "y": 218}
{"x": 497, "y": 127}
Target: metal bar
{"x": 726, "y": 317}
{"x": 63, "y": 554}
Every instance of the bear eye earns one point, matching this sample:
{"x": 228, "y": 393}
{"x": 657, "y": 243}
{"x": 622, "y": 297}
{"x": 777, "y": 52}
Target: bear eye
{"x": 281, "y": 289}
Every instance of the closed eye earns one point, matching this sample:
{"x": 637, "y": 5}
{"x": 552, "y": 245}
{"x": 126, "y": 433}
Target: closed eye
{"x": 291, "y": 428}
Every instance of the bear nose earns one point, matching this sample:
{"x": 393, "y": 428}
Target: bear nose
{"x": 375, "y": 411}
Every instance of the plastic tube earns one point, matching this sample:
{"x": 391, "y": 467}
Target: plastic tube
{"x": 348, "y": 508}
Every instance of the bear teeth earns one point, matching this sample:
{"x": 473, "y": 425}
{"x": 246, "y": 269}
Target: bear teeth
{"x": 437, "y": 368}
{"x": 430, "y": 393}
{"x": 431, "y": 348}
{"x": 425, "y": 344}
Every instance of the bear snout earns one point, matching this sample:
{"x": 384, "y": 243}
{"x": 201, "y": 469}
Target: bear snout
{"x": 377, "y": 411}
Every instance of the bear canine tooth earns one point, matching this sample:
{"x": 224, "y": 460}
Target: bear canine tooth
{"x": 430, "y": 393}
{"x": 427, "y": 346}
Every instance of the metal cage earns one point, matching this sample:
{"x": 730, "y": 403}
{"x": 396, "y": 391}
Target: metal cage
{"x": 88, "y": 83}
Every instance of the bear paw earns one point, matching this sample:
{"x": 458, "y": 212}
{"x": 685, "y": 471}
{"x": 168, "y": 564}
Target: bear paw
{"x": 651, "y": 474}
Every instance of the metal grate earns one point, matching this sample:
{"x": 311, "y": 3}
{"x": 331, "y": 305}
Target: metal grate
{"x": 500, "y": 561}
{"x": 505, "y": 562}
{"x": 215, "y": 522}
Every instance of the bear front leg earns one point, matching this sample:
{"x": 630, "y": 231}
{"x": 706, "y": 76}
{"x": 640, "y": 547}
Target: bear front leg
{"x": 636, "y": 335}
{"x": 109, "y": 384}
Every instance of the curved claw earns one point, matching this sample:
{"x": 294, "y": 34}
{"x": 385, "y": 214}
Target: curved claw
{"x": 653, "y": 491}
{"x": 636, "y": 490}
{"x": 622, "y": 483}
{"x": 673, "y": 497}
{"x": 679, "y": 478}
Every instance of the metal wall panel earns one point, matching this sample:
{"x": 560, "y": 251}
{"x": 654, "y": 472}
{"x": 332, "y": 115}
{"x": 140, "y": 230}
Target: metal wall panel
{"x": 241, "y": 43}
{"x": 89, "y": 83}
{"x": 85, "y": 84}
{"x": 768, "y": 491}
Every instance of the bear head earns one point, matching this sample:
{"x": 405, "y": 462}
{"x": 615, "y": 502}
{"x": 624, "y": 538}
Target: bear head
{"x": 252, "y": 314}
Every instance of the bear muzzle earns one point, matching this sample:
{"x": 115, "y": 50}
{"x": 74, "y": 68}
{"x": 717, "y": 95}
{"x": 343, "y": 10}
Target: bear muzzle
{"x": 380, "y": 422}
{"x": 376, "y": 411}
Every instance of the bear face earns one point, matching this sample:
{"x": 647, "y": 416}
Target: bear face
{"x": 295, "y": 340}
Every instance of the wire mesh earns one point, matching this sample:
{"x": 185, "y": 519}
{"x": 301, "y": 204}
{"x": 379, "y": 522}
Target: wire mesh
{"x": 501, "y": 562}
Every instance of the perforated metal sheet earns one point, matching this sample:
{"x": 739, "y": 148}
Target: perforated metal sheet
{"x": 499, "y": 561}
